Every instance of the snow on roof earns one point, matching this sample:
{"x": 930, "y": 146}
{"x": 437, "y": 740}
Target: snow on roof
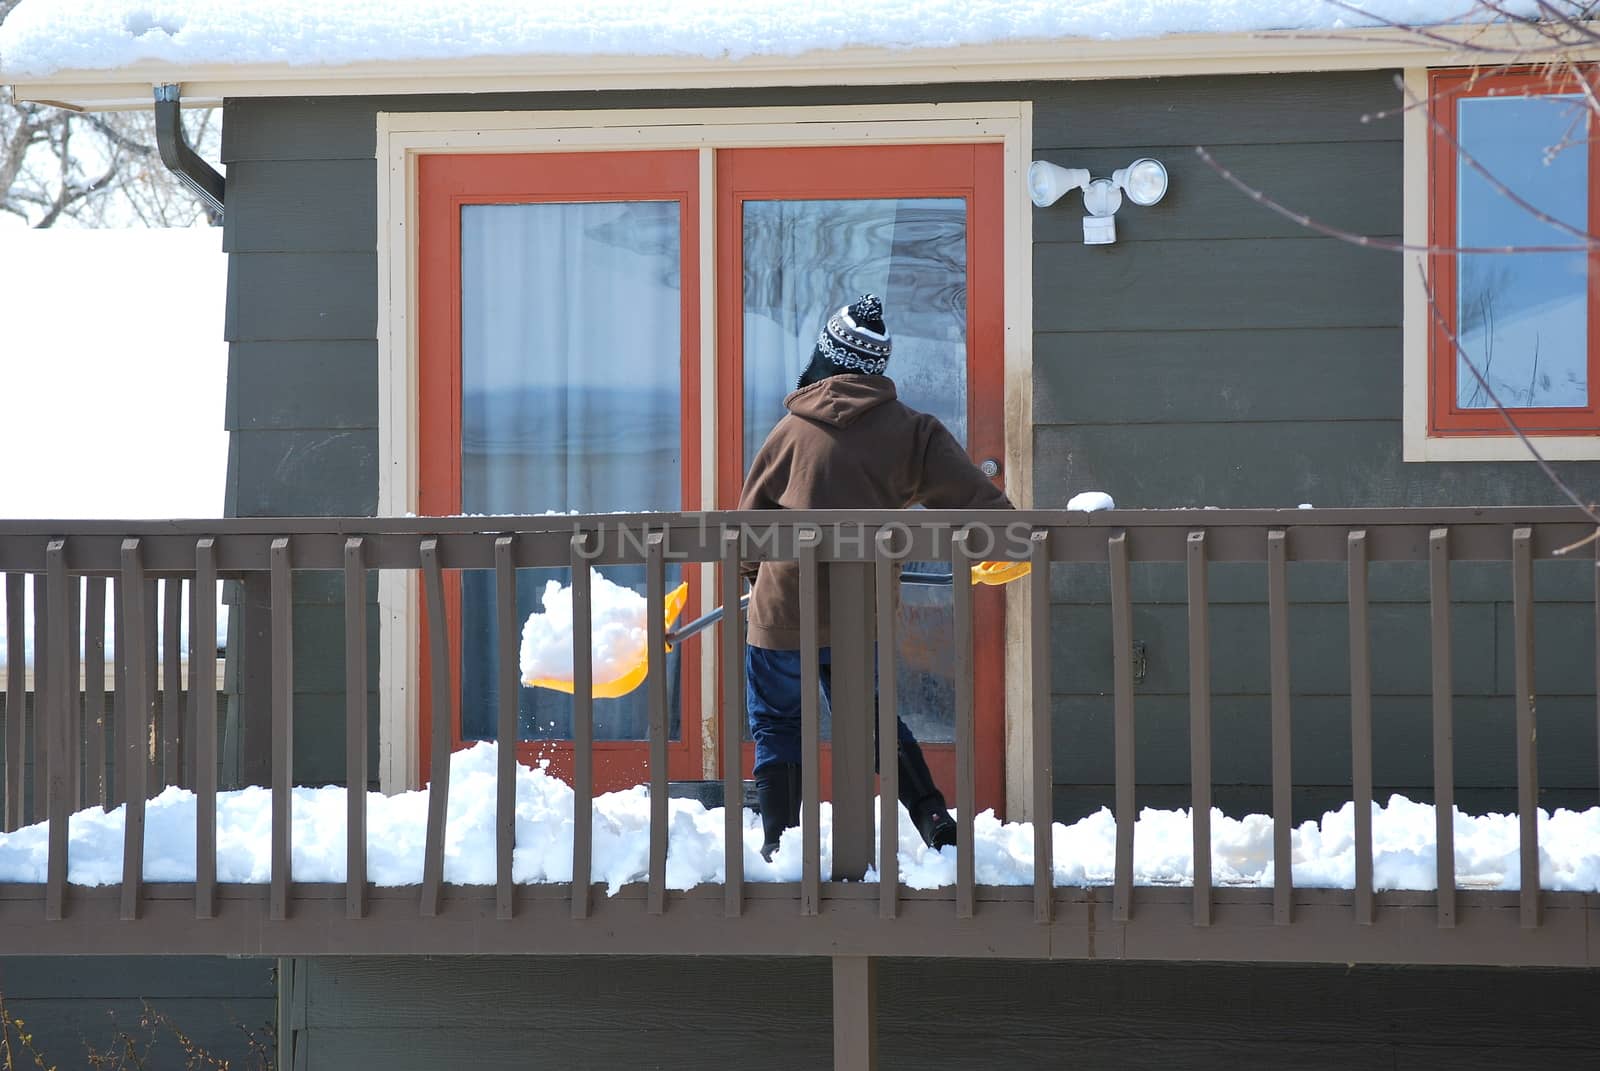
{"x": 43, "y": 37}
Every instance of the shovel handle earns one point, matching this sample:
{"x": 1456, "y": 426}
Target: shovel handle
{"x": 706, "y": 620}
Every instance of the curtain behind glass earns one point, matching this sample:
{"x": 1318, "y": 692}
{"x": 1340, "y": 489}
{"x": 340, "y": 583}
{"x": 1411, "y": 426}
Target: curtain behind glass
{"x": 570, "y": 372}
{"x": 802, "y": 261}
{"x": 1523, "y": 317}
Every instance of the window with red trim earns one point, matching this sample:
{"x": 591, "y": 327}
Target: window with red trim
{"x": 1513, "y": 206}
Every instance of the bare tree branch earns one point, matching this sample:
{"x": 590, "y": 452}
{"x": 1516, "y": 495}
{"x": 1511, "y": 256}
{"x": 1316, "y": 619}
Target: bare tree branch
{"x": 1494, "y": 183}
{"x": 1505, "y": 414}
{"x": 1368, "y": 241}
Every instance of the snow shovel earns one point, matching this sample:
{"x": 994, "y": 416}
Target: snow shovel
{"x": 990, "y": 573}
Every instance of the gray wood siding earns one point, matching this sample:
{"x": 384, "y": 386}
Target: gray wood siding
{"x": 72, "y": 1003}
{"x": 606, "y": 1012}
{"x": 1217, "y": 355}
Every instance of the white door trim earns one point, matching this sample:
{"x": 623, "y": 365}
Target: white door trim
{"x": 404, "y": 136}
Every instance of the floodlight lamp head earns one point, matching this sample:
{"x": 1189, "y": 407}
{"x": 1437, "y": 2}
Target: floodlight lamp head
{"x": 1048, "y": 183}
{"x": 1144, "y": 181}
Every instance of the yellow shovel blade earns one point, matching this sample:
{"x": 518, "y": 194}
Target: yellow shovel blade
{"x": 634, "y": 675}
{"x": 997, "y": 573}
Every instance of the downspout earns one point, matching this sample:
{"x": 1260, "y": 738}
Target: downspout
{"x": 200, "y": 177}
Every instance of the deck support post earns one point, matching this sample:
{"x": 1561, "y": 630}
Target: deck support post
{"x": 855, "y": 1013}
{"x": 851, "y": 602}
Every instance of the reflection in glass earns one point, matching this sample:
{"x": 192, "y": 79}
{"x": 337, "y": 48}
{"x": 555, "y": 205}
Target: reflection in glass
{"x": 804, "y": 259}
{"x": 570, "y": 358}
{"x": 1523, "y": 318}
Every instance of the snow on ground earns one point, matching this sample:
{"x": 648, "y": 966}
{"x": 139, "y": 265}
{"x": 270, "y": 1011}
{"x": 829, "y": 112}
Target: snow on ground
{"x": 114, "y": 366}
{"x": 618, "y": 638}
{"x": 1487, "y": 856}
{"x": 44, "y": 36}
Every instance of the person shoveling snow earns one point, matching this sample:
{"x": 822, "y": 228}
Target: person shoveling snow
{"x": 845, "y": 442}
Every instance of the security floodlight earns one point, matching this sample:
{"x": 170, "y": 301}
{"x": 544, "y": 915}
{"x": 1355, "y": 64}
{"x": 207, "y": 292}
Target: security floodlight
{"x": 1144, "y": 181}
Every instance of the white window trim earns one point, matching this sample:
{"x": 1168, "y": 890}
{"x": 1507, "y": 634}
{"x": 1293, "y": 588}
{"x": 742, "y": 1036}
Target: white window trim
{"x": 403, "y": 137}
{"x": 1417, "y": 444}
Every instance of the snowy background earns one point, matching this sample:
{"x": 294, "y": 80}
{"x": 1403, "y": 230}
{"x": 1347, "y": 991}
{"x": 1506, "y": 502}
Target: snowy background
{"x": 44, "y": 36}
{"x": 113, "y": 369}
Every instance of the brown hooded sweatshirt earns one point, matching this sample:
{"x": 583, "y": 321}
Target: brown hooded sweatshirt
{"x": 848, "y": 443}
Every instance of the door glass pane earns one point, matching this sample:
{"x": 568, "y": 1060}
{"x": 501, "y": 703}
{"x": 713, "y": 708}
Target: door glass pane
{"x": 570, "y": 388}
{"x": 803, "y": 260}
{"x": 1523, "y": 316}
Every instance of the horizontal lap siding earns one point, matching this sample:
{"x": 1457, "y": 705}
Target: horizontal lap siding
{"x": 71, "y": 1004}
{"x": 302, "y": 406}
{"x": 604, "y": 1012}
{"x": 1222, "y": 355}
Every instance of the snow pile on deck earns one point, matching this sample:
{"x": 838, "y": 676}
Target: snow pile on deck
{"x": 618, "y": 635}
{"x": 1486, "y": 846}
{"x": 45, "y": 36}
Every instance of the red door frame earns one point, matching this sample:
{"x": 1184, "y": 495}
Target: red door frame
{"x": 445, "y": 183}
{"x": 975, "y": 173}
{"x": 1446, "y": 90}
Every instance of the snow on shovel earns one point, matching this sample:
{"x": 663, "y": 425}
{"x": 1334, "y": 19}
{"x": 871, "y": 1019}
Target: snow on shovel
{"x": 620, "y": 636}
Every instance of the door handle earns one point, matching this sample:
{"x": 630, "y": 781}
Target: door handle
{"x": 990, "y": 467}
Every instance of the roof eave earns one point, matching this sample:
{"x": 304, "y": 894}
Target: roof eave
{"x": 1075, "y": 58}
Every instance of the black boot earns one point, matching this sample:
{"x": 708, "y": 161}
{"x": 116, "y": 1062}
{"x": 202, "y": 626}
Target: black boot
{"x": 778, "y": 796}
{"x": 923, "y": 799}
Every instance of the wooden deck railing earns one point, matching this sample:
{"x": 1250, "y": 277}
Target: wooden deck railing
{"x": 173, "y": 740}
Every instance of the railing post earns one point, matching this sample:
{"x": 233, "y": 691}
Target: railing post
{"x": 1123, "y": 723}
{"x": 582, "y": 728}
{"x": 118, "y": 789}
{"x": 1282, "y": 721}
{"x": 1200, "y": 721}
{"x": 355, "y": 727}
{"x": 509, "y": 695}
{"x": 1527, "y": 738}
{"x": 965, "y": 736}
{"x": 94, "y": 681}
{"x": 887, "y": 582}
{"x": 656, "y": 692}
{"x": 850, "y": 638}
{"x": 203, "y": 660}
{"x": 41, "y": 677}
{"x": 282, "y": 728}
{"x": 806, "y": 540}
{"x": 1043, "y": 745}
{"x": 1444, "y": 792}
{"x": 733, "y": 720}
{"x": 56, "y": 726}
{"x": 134, "y": 761}
{"x": 172, "y": 743}
{"x": 1360, "y": 720}
{"x": 72, "y": 735}
{"x": 16, "y": 701}
{"x": 439, "y": 717}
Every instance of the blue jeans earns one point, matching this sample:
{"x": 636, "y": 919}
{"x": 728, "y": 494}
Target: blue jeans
{"x": 772, "y": 693}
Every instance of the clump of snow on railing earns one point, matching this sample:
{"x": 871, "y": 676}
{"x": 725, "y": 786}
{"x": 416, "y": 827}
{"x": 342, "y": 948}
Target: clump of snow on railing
{"x": 1324, "y": 852}
{"x": 618, "y": 632}
{"x": 1089, "y": 501}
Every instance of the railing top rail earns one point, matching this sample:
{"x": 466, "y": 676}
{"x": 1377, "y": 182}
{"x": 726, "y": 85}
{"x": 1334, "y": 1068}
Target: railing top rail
{"x": 242, "y": 545}
{"x": 499, "y": 524}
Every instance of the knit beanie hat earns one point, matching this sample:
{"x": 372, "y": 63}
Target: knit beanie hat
{"x": 853, "y": 340}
